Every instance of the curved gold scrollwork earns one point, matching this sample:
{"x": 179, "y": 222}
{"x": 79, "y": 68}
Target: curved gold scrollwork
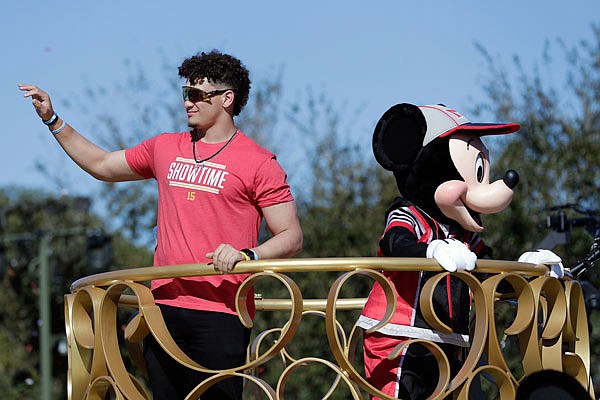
{"x": 550, "y": 322}
{"x": 127, "y": 384}
{"x": 523, "y": 320}
{"x": 542, "y": 350}
{"x": 339, "y": 350}
{"x": 479, "y": 336}
{"x": 207, "y": 383}
{"x": 502, "y": 379}
{"x": 288, "y": 359}
{"x": 443, "y": 365}
{"x": 260, "y": 339}
{"x": 86, "y": 355}
{"x": 340, "y": 375}
{"x": 288, "y": 330}
{"x": 577, "y": 360}
{"x": 101, "y": 386}
{"x": 135, "y": 331}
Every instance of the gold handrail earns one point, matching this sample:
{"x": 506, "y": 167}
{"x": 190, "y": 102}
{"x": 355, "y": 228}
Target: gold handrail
{"x": 300, "y": 265}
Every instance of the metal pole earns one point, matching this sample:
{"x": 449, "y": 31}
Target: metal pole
{"x": 45, "y": 320}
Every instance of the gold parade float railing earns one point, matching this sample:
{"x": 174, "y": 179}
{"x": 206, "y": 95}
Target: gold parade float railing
{"x": 549, "y": 328}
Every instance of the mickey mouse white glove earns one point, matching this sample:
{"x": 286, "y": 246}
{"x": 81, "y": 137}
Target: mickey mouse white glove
{"x": 452, "y": 255}
{"x": 547, "y": 257}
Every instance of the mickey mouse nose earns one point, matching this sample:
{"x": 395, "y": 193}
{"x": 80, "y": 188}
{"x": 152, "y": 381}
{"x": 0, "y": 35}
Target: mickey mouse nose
{"x": 511, "y": 178}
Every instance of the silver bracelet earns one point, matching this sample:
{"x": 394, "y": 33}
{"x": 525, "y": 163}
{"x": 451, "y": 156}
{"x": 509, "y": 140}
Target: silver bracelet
{"x": 60, "y": 128}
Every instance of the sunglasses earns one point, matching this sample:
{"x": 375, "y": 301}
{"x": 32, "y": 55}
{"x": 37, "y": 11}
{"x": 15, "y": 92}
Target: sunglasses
{"x": 195, "y": 95}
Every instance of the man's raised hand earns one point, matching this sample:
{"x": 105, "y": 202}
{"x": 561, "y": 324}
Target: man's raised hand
{"x": 40, "y": 100}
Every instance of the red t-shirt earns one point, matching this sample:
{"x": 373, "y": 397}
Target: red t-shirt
{"x": 200, "y": 207}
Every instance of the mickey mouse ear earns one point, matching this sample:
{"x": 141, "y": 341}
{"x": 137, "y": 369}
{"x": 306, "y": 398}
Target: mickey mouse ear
{"x": 398, "y": 136}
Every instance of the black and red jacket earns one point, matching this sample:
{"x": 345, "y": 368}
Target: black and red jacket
{"x": 408, "y": 232}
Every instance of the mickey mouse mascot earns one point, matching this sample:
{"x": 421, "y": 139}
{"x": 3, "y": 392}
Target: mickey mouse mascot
{"x": 442, "y": 169}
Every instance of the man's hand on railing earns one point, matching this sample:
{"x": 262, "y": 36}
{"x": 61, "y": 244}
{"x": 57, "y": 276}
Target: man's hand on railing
{"x": 225, "y": 257}
{"x": 453, "y": 255}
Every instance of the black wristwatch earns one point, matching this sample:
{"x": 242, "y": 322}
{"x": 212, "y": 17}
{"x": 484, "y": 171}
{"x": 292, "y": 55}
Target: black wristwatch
{"x": 50, "y": 121}
{"x": 251, "y": 254}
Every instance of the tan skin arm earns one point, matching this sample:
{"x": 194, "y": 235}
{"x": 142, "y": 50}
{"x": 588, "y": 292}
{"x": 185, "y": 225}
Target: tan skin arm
{"x": 282, "y": 221}
{"x": 99, "y": 163}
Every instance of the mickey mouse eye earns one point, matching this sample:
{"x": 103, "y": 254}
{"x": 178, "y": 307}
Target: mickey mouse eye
{"x": 479, "y": 168}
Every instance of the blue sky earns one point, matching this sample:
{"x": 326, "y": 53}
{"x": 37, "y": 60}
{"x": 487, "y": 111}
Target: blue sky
{"x": 364, "y": 54}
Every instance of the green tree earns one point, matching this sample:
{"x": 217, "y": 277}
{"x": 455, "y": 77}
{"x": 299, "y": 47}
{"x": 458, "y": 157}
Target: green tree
{"x": 555, "y": 152}
{"x": 78, "y": 247}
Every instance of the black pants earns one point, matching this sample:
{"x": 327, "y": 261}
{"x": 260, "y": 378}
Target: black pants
{"x": 214, "y": 340}
{"x": 420, "y": 374}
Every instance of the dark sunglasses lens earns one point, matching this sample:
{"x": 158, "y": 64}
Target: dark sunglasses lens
{"x": 192, "y": 94}
{"x": 196, "y": 95}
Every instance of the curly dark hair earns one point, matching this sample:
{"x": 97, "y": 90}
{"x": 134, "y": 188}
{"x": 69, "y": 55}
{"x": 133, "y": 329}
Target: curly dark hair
{"x": 222, "y": 69}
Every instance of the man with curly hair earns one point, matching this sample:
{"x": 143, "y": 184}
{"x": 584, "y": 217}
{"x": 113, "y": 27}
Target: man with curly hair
{"x": 215, "y": 186}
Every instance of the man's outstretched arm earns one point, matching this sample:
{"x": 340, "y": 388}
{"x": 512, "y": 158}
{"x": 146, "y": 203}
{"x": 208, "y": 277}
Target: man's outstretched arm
{"x": 101, "y": 164}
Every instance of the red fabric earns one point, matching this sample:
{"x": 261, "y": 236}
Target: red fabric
{"x": 405, "y": 284}
{"x": 200, "y": 208}
{"x": 380, "y": 372}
